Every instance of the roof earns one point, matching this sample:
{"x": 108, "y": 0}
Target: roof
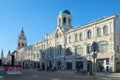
{"x": 65, "y": 12}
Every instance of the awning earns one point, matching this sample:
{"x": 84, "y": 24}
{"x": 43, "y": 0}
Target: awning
{"x": 101, "y": 58}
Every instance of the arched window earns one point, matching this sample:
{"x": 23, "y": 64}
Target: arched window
{"x": 64, "y": 20}
{"x": 89, "y": 34}
{"x": 105, "y": 30}
{"x": 81, "y": 36}
{"x": 89, "y": 49}
{"x": 103, "y": 46}
{"x": 22, "y": 44}
{"x": 18, "y": 44}
{"x": 69, "y": 39}
{"x": 98, "y": 31}
{"x": 79, "y": 50}
{"x": 76, "y": 37}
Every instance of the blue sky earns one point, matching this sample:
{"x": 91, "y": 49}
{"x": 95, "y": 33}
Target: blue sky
{"x": 39, "y": 17}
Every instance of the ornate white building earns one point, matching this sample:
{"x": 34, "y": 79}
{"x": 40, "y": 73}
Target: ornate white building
{"x": 67, "y": 47}
{"x": 21, "y": 43}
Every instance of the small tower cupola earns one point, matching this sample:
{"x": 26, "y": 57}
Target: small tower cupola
{"x": 65, "y": 20}
{"x": 22, "y": 41}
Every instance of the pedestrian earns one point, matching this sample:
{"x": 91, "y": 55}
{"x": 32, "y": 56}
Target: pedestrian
{"x": 78, "y": 67}
{"x": 54, "y": 68}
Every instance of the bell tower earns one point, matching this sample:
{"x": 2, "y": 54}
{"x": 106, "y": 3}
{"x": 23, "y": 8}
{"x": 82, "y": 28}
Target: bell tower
{"x": 65, "y": 20}
{"x": 22, "y": 41}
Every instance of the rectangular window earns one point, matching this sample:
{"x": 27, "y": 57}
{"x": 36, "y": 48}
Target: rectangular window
{"x": 70, "y": 39}
{"x": 118, "y": 49}
{"x": 107, "y": 61}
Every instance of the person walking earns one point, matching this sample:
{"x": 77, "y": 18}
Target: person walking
{"x": 78, "y": 67}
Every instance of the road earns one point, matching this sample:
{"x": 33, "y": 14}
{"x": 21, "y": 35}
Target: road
{"x": 58, "y": 75}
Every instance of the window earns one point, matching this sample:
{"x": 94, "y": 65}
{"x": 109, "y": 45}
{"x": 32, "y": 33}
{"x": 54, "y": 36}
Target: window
{"x": 64, "y": 20}
{"x": 118, "y": 49}
{"x": 66, "y": 40}
{"x": 103, "y": 46}
{"x": 60, "y": 48}
{"x": 56, "y": 35}
{"x": 89, "y": 34}
{"x": 79, "y": 50}
{"x": 38, "y": 56}
{"x": 22, "y": 44}
{"x": 107, "y": 61}
{"x": 98, "y": 31}
{"x": 105, "y": 30}
{"x": 18, "y": 44}
{"x": 51, "y": 51}
{"x": 69, "y": 39}
{"x": 89, "y": 49}
{"x": 68, "y": 52}
{"x": 76, "y": 37}
{"x": 81, "y": 36}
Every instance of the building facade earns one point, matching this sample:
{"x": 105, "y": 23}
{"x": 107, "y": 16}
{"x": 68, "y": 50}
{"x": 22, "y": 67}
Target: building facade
{"x": 68, "y": 47}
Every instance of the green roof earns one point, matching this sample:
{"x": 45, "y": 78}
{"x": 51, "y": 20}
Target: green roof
{"x": 65, "y": 12}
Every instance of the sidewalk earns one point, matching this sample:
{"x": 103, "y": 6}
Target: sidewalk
{"x": 108, "y": 74}
{"x": 97, "y": 74}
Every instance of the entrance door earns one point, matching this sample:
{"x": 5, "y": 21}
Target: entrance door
{"x": 79, "y": 63}
{"x": 68, "y": 65}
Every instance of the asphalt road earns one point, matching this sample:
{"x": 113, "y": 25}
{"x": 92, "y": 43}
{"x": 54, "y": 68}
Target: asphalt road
{"x": 58, "y": 75}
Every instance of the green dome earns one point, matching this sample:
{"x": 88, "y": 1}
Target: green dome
{"x": 65, "y": 12}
